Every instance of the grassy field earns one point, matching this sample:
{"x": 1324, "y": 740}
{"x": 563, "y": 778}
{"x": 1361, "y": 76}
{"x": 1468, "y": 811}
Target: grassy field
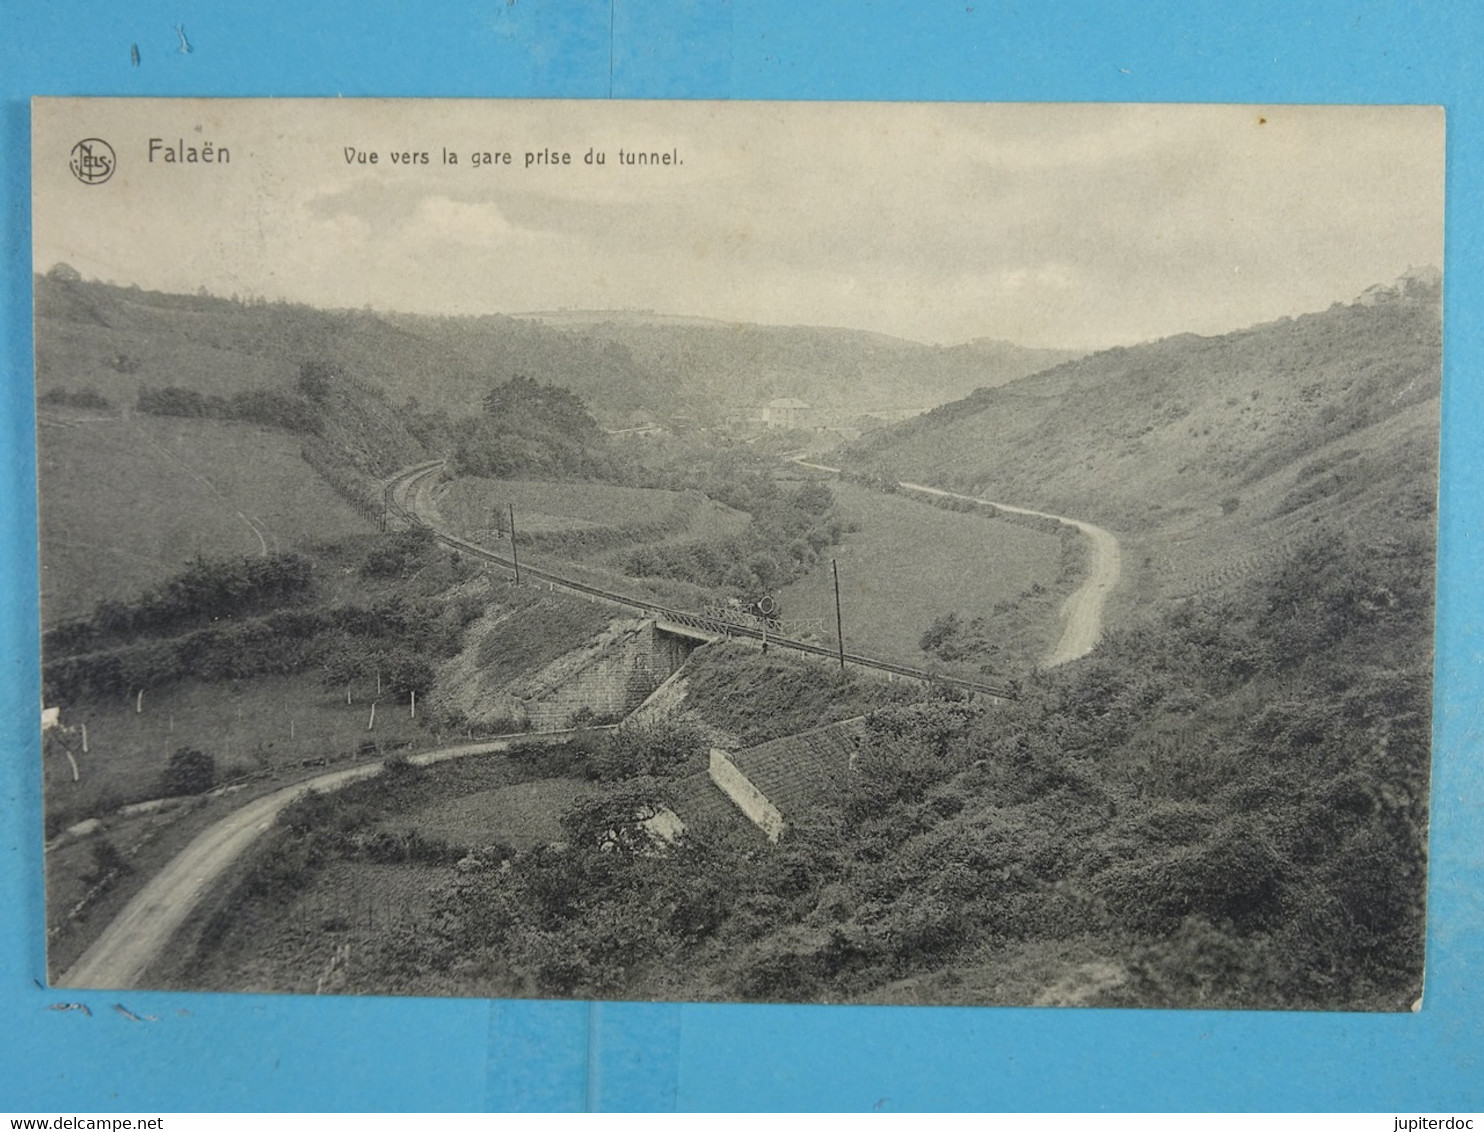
{"x": 89, "y": 880}
{"x": 909, "y": 563}
{"x": 261, "y": 733}
{"x": 583, "y": 518}
{"x": 577, "y": 529}
{"x": 1210, "y": 457}
{"x": 269, "y": 729}
{"x": 126, "y": 502}
{"x": 313, "y": 944}
{"x": 753, "y": 698}
{"x": 522, "y": 815}
{"x": 318, "y": 940}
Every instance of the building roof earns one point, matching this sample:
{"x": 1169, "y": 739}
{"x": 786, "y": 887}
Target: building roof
{"x": 803, "y": 770}
{"x": 788, "y": 403}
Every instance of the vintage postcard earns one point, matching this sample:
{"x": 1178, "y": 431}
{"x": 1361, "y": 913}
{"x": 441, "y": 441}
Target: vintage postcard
{"x": 792, "y": 552}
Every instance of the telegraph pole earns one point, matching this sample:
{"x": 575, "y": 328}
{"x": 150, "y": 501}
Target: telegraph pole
{"x": 839, "y": 631}
{"x": 514, "y": 553}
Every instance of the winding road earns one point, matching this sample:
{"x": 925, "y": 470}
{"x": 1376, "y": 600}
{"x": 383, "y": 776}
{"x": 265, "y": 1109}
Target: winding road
{"x": 1082, "y": 612}
{"x": 119, "y": 957}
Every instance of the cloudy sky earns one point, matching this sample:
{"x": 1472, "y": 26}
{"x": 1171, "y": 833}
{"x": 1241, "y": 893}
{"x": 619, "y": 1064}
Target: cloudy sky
{"x": 1047, "y": 225}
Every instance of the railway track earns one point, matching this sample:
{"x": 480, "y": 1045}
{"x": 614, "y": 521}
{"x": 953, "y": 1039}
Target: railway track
{"x": 396, "y": 496}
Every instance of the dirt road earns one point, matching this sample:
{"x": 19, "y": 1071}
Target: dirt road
{"x": 1082, "y": 612}
{"x": 119, "y": 957}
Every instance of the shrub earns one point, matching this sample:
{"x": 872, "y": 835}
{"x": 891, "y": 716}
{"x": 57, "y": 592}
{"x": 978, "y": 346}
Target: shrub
{"x": 654, "y": 749}
{"x": 316, "y": 376}
{"x": 108, "y": 862}
{"x": 939, "y": 632}
{"x": 399, "y": 765}
{"x": 189, "y": 771}
{"x": 258, "y": 406}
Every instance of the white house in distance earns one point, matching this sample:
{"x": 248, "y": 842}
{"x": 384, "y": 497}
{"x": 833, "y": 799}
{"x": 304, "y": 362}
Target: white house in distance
{"x": 786, "y": 412}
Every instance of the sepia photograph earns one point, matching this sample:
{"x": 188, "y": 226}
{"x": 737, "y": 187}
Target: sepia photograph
{"x": 872, "y": 553}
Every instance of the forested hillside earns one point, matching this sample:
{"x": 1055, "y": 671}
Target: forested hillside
{"x": 1209, "y": 457}
{"x": 717, "y": 363}
{"x": 115, "y": 340}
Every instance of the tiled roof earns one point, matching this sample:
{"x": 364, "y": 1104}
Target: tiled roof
{"x": 800, "y": 771}
{"x": 697, "y": 798}
{"x": 794, "y": 773}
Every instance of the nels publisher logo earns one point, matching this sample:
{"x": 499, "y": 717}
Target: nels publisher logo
{"x": 93, "y": 161}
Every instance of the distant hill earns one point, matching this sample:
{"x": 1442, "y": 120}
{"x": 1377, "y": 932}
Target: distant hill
{"x": 745, "y": 364}
{"x": 117, "y": 339}
{"x": 478, "y": 351}
{"x": 1225, "y": 803}
{"x": 127, "y": 496}
{"x": 1208, "y": 453}
{"x": 1215, "y": 452}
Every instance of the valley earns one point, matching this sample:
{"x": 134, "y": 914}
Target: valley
{"x": 313, "y": 736}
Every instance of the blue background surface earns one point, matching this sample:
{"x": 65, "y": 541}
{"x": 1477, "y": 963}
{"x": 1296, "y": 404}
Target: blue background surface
{"x": 218, "y": 1052}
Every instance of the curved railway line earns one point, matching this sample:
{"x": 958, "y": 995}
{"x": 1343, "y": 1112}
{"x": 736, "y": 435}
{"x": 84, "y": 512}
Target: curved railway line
{"x": 403, "y": 485}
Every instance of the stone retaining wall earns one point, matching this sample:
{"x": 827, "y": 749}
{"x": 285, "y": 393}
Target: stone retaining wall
{"x": 615, "y": 680}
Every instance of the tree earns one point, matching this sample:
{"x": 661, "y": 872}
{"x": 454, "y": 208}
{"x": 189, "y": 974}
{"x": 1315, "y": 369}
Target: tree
{"x": 189, "y": 771}
{"x": 613, "y": 822}
{"x": 108, "y": 863}
{"x": 639, "y": 749}
{"x": 316, "y": 377}
{"x": 939, "y": 633}
{"x": 404, "y": 671}
{"x": 815, "y": 498}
